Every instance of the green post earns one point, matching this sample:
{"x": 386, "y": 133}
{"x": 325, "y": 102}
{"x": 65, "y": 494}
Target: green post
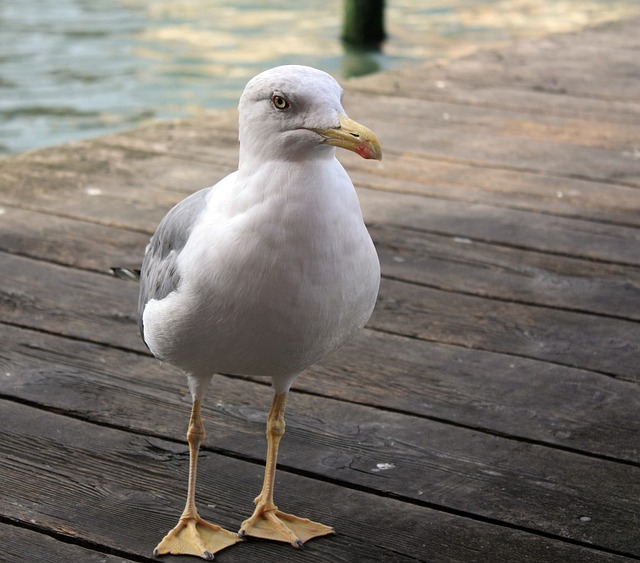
{"x": 363, "y": 24}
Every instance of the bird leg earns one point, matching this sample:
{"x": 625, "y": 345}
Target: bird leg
{"x": 193, "y": 535}
{"x": 267, "y": 521}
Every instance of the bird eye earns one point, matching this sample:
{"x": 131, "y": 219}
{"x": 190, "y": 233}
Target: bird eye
{"x": 279, "y": 102}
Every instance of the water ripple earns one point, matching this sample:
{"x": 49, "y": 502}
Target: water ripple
{"x": 80, "y": 68}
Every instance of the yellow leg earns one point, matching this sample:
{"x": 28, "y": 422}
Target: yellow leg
{"x": 267, "y": 521}
{"x": 193, "y": 535}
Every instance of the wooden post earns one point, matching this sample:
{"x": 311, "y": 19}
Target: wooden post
{"x": 363, "y": 24}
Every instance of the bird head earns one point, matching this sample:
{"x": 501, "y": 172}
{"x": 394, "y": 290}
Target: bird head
{"x": 295, "y": 113}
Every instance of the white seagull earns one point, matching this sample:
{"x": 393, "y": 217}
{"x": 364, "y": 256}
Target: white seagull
{"x": 263, "y": 274}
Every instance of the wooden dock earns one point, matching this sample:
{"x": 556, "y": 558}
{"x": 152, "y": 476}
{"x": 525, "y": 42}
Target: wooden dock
{"x": 489, "y": 412}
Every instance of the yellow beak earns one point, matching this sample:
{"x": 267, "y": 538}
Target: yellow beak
{"x": 352, "y": 136}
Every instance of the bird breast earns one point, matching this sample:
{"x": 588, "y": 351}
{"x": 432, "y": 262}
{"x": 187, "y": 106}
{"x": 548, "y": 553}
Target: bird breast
{"x": 279, "y": 272}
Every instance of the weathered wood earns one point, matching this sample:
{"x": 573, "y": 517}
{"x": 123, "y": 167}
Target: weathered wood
{"x": 512, "y": 274}
{"x": 117, "y": 478}
{"x": 577, "y": 131}
{"x": 510, "y": 227}
{"x": 498, "y": 378}
{"x": 526, "y": 66}
{"x": 522, "y": 76}
{"x": 510, "y": 189}
{"x": 496, "y": 143}
{"x": 98, "y": 308}
{"x": 407, "y": 173}
{"x": 541, "y": 232}
{"x": 512, "y": 153}
{"x": 136, "y": 179}
{"x": 610, "y": 346}
{"x": 568, "y": 408}
{"x": 70, "y": 242}
{"x": 443, "y": 262}
{"x": 346, "y": 443}
{"x": 501, "y": 394}
{"x": 102, "y": 309}
{"x": 20, "y": 544}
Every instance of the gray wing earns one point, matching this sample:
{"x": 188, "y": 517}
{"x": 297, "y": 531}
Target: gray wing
{"x": 159, "y": 275}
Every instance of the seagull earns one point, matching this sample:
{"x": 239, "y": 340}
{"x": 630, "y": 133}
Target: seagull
{"x": 263, "y": 274}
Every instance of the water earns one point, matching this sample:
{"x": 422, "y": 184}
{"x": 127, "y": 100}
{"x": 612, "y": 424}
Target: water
{"x": 74, "y": 69}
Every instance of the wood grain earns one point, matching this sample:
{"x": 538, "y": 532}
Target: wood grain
{"x": 490, "y": 410}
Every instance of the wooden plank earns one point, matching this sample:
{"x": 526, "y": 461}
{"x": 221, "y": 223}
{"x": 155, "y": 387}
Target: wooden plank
{"x": 116, "y": 200}
{"x": 406, "y": 172}
{"x": 513, "y": 153}
{"x": 75, "y": 190}
{"x": 129, "y": 154}
{"x": 512, "y": 396}
{"x": 69, "y": 242}
{"x": 37, "y": 295}
{"x": 523, "y": 399}
{"x": 101, "y": 309}
{"x": 510, "y": 189}
{"x": 487, "y": 223}
{"x": 186, "y": 139}
{"x": 442, "y": 82}
{"x": 521, "y": 78}
{"x": 610, "y": 346}
{"x": 443, "y": 262}
{"x": 509, "y": 227}
{"x": 483, "y": 477}
{"x": 130, "y": 491}
{"x": 121, "y": 186}
{"x": 418, "y": 127}
{"x": 238, "y": 403}
{"x": 132, "y": 176}
{"x": 526, "y": 65}
{"x": 499, "y": 122}
{"x": 53, "y": 298}
{"x": 120, "y": 480}
{"x": 489, "y": 239}
{"x": 499, "y": 272}
{"x": 20, "y": 544}
{"x": 409, "y": 173}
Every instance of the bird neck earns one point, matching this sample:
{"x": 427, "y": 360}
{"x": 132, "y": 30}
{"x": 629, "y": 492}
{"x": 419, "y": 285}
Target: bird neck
{"x": 255, "y": 153}
{"x": 310, "y": 185}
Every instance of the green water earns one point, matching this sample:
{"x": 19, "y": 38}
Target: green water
{"x": 74, "y": 69}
